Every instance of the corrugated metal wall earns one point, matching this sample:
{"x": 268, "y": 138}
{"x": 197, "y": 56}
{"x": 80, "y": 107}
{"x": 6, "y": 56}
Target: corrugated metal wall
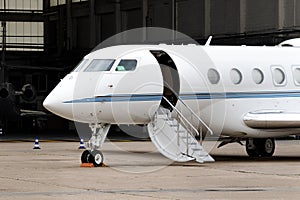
{"x": 191, "y": 17}
{"x": 261, "y": 15}
{"x": 196, "y": 18}
{"x": 224, "y": 16}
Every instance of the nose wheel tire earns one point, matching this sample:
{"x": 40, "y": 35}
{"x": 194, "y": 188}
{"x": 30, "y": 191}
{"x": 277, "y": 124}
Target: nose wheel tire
{"x": 85, "y": 156}
{"x": 95, "y": 157}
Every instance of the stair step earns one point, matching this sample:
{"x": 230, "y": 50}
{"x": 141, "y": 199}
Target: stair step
{"x": 163, "y": 117}
{"x": 173, "y": 125}
{"x": 168, "y": 119}
{"x": 197, "y": 149}
{"x": 184, "y": 137}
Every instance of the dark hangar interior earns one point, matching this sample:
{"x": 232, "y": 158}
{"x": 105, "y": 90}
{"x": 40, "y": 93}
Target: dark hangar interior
{"x": 42, "y": 40}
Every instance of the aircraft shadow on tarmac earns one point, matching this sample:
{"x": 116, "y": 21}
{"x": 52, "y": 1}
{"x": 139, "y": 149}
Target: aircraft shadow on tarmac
{"x": 156, "y": 159}
{"x": 241, "y": 158}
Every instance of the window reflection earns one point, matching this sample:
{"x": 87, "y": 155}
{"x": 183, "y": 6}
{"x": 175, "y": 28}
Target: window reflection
{"x": 98, "y": 65}
{"x": 126, "y": 65}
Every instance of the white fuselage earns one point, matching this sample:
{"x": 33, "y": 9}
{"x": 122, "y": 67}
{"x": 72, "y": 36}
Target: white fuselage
{"x": 249, "y": 79}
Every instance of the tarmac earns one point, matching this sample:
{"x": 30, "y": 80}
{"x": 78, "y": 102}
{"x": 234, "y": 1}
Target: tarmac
{"x": 135, "y": 170}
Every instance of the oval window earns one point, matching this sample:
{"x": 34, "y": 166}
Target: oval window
{"x": 236, "y": 76}
{"x": 213, "y": 76}
{"x": 297, "y": 75}
{"x": 258, "y": 76}
{"x": 279, "y": 76}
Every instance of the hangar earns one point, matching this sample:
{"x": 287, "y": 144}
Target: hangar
{"x": 44, "y": 39}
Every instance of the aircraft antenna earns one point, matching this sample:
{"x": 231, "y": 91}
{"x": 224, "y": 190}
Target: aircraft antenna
{"x": 208, "y": 41}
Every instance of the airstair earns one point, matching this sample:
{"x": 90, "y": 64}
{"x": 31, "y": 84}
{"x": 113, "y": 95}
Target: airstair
{"x": 175, "y": 136}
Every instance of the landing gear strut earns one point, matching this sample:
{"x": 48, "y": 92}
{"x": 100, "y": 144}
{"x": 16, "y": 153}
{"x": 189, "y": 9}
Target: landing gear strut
{"x": 99, "y": 133}
{"x": 257, "y": 147}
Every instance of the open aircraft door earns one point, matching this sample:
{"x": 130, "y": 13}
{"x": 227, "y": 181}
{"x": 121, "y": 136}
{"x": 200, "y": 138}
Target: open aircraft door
{"x": 171, "y": 82}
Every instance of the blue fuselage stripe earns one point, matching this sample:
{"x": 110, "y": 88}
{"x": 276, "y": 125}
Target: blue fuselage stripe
{"x": 118, "y": 98}
{"x": 200, "y": 96}
{"x": 240, "y": 95}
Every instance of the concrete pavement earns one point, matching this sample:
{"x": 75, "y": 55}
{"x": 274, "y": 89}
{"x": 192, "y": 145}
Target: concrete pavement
{"x": 137, "y": 171}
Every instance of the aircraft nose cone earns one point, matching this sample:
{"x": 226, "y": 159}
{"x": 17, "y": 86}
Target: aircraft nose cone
{"x": 57, "y": 106}
{"x": 52, "y": 104}
{"x": 49, "y": 104}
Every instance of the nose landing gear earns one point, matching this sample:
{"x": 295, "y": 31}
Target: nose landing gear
{"x": 94, "y": 155}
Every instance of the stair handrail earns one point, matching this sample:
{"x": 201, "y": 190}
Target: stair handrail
{"x": 183, "y": 117}
{"x": 195, "y": 115}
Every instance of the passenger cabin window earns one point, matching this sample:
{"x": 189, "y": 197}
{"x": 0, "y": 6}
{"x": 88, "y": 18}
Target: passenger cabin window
{"x": 80, "y": 65}
{"x": 99, "y": 65}
{"x": 257, "y": 75}
{"x": 213, "y": 76}
{"x": 278, "y": 76}
{"x": 126, "y": 65}
{"x": 296, "y": 73}
{"x": 236, "y": 76}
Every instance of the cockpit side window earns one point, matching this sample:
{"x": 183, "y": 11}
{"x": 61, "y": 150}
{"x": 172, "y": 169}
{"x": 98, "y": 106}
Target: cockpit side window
{"x": 126, "y": 65}
{"x": 80, "y": 65}
{"x": 98, "y": 65}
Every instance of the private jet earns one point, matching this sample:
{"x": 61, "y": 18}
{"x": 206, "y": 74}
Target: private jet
{"x": 184, "y": 93}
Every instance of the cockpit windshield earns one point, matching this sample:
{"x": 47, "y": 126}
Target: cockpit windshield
{"x": 80, "y": 65}
{"x": 98, "y": 65}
